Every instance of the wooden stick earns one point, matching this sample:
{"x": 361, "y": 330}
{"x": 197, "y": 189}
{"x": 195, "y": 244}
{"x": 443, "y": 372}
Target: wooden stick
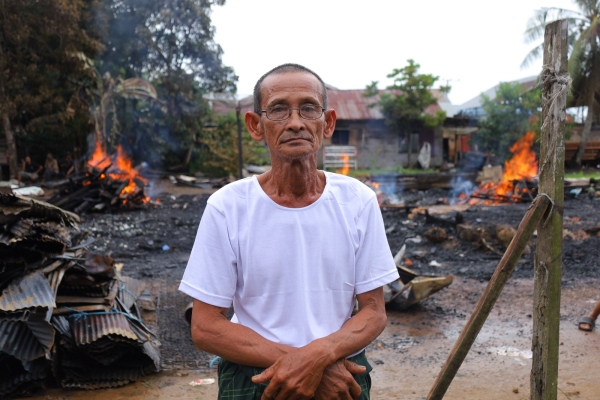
{"x": 548, "y": 258}
{"x": 483, "y": 308}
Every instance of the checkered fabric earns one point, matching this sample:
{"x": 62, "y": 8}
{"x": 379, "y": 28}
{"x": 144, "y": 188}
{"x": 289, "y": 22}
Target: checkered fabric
{"x": 235, "y": 380}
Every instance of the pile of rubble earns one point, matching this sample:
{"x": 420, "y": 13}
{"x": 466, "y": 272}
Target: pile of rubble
{"x": 64, "y": 313}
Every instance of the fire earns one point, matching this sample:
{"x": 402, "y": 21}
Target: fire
{"x": 99, "y": 159}
{"x": 523, "y": 166}
{"x": 121, "y": 169}
{"x": 346, "y": 168}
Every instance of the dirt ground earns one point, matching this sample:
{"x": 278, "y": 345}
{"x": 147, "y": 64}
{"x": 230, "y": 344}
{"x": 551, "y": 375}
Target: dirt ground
{"x": 409, "y": 353}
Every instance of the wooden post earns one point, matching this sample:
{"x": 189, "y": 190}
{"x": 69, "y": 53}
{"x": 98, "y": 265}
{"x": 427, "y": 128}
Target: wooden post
{"x": 488, "y": 298}
{"x": 548, "y": 258}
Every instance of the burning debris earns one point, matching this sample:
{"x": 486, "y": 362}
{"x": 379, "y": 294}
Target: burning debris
{"x": 109, "y": 182}
{"x": 64, "y": 313}
{"x": 519, "y": 179}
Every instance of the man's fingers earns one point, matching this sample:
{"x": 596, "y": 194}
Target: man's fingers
{"x": 354, "y": 389}
{"x": 264, "y": 376}
{"x": 354, "y": 368}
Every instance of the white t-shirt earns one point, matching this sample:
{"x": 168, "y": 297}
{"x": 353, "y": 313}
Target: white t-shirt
{"x": 291, "y": 273}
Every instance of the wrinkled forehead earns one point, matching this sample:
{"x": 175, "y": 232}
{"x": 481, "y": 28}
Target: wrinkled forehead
{"x": 290, "y": 86}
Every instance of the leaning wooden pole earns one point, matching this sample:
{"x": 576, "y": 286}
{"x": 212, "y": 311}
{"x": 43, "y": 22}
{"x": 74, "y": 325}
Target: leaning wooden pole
{"x": 548, "y": 258}
{"x": 483, "y": 308}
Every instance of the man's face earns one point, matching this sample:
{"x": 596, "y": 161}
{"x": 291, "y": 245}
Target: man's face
{"x": 27, "y": 160}
{"x": 294, "y": 137}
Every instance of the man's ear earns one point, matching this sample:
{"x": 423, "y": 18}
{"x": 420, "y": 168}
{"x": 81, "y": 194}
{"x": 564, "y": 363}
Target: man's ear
{"x": 252, "y": 120}
{"x": 330, "y": 119}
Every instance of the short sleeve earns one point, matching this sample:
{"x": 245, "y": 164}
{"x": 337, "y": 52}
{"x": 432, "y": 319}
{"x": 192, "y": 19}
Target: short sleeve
{"x": 375, "y": 265}
{"x": 211, "y": 272}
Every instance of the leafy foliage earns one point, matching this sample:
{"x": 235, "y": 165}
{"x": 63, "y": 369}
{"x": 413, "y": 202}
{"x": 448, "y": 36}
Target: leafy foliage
{"x": 405, "y": 101}
{"x": 507, "y": 118}
{"x": 141, "y": 50}
{"x": 39, "y": 71}
{"x": 222, "y": 141}
{"x": 584, "y": 59}
{"x": 172, "y": 45}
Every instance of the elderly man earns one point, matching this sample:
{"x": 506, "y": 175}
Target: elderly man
{"x": 292, "y": 249}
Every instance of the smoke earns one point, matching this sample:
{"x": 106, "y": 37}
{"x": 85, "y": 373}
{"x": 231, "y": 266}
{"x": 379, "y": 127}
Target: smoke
{"x": 460, "y": 187}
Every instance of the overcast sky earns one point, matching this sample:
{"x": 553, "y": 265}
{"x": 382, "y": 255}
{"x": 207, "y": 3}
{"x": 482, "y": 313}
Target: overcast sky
{"x": 474, "y": 44}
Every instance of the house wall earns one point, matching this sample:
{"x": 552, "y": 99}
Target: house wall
{"x": 378, "y": 147}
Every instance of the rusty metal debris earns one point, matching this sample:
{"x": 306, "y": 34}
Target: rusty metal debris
{"x": 411, "y": 288}
{"x": 64, "y": 313}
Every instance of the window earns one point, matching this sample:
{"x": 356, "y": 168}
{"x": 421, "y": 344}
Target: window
{"x": 340, "y": 137}
{"x": 403, "y": 143}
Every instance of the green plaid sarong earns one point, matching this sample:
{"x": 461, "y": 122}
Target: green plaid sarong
{"x": 235, "y": 380}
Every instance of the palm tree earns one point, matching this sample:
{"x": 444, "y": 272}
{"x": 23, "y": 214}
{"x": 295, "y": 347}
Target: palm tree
{"x": 584, "y": 59}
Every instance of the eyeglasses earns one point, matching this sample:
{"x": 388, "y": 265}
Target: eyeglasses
{"x": 281, "y": 112}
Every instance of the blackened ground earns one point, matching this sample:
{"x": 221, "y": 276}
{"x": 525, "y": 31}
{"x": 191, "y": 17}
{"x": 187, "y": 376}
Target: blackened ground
{"x": 581, "y": 243}
{"x": 154, "y": 245}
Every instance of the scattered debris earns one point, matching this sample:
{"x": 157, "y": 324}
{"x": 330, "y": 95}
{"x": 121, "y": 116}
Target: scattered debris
{"x": 436, "y": 234}
{"x": 511, "y": 352}
{"x": 205, "y": 381}
{"x": 412, "y": 288}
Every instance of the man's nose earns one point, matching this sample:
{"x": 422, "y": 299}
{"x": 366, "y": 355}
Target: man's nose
{"x": 295, "y": 121}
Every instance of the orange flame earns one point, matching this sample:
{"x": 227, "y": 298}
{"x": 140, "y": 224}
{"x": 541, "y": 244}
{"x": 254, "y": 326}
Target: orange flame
{"x": 346, "y": 167}
{"x": 522, "y": 166}
{"x": 121, "y": 170}
{"x": 99, "y": 159}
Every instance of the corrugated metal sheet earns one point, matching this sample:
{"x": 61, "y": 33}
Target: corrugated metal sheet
{"x": 129, "y": 290}
{"x": 18, "y": 340}
{"x": 30, "y": 291}
{"x": 352, "y": 105}
{"x": 92, "y": 327}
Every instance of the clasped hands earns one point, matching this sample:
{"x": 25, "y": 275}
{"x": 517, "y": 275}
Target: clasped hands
{"x": 304, "y": 374}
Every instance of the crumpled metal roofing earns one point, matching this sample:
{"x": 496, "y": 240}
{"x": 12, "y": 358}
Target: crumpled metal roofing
{"x": 11, "y": 204}
{"x": 91, "y": 327}
{"x": 129, "y": 291}
{"x": 29, "y": 291}
{"x": 27, "y": 340}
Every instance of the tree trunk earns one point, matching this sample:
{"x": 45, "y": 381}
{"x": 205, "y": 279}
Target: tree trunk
{"x": 587, "y": 127}
{"x": 548, "y": 257}
{"x": 11, "y": 147}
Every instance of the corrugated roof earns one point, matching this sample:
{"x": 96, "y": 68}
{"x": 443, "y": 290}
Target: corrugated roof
{"x": 91, "y": 327}
{"x": 352, "y": 105}
{"x": 29, "y": 291}
{"x": 26, "y": 340}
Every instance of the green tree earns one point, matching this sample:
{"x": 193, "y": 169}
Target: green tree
{"x": 171, "y": 44}
{"x": 507, "y": 117}
{"x": 38, "y": 66}
{"x": 584, "y": 58}
{"x": 405, "y": 101}
{"x": 222, "y": 141}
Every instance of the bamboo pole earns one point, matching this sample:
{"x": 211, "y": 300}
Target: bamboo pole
{"x": 488, "y": 298}
{"x": 548, "y": 258}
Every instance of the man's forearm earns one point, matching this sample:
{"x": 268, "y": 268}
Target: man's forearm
{"x": 357, "y": 332}
{"x": 212, "y": 332}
